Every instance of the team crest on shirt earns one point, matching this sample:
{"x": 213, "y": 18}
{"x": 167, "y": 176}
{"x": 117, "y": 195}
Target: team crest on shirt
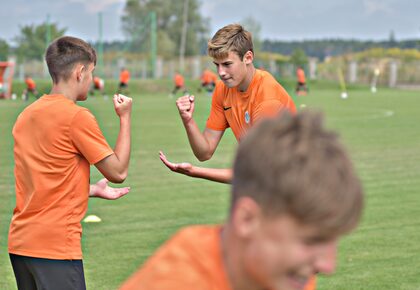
{"x": 247, "y": 117}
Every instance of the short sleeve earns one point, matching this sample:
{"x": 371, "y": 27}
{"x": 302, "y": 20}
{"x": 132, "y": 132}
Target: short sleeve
{"x": 268, "y": 109}
{"x": 217, "y": 119}
{"x": 274, "y": 99}
{"x": 87, "y": 137}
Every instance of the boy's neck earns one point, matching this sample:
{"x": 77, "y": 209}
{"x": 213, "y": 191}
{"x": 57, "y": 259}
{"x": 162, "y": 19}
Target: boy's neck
{"x": 65, "y": 90}
{"x": 232, "y": 262}
{"x": 243, "y": 86}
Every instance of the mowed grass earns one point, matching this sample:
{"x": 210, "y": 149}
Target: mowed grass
{"x": 381, "y": 132}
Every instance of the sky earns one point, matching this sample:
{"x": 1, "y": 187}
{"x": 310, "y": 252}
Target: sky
{"x": 279, "y": 19}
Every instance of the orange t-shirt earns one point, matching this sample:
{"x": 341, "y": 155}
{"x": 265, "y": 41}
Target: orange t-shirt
{"x": 55, "y": 143}
{"x": 300, "y": 74}
{"x": 192, "y": 259}
{"x": 124, "y": 76}
{"x": 30, "y": 84}
{"x": 179, "y": 80}
{"x": 265, "y": 97}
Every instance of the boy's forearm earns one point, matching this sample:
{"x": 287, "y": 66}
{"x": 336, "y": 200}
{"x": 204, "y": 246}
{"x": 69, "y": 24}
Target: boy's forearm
{"x": 197, "y": 140}
{"x": 123, "y": 145}
{"x": 213, "y": 174}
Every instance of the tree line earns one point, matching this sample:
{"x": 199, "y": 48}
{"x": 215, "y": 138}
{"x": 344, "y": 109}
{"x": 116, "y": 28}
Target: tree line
{"x": 136, "y": 23}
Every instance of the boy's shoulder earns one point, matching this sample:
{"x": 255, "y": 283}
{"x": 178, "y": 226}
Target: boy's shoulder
{"x": 265, "y": 78}
{"x": 55, "y": 105}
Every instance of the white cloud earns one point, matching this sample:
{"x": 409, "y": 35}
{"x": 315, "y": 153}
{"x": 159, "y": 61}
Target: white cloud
{"x": 95, "y": 6}
{"x": 376, "y": 6}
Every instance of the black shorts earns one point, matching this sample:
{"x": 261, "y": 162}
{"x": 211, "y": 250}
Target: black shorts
{"x": 38, "y": 273}
{"x": 123, "y": 85}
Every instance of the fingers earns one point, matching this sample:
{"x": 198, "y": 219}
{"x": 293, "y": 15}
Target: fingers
{"x": 119, "y": 99}
{"x": 122, "y": 104}
{"x": 123, "y": 191}
{"x": 170, "y": 165}
{"x": 119, "y": 192}
{"x": 183, "y": 168}
{"x": 116, "y": 100}
{"x": 185, "y": 103}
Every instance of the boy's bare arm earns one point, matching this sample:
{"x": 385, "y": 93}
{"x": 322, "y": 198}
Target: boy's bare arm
{"x": 204, "y": 143}
{"x": 115, "y": 166}
{"x": 214, "y": 174}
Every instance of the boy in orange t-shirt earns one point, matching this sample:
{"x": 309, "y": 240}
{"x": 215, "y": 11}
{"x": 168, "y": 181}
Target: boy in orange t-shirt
{"x": 30, "y": 88}
{"x": 243, "y": 97}
{"x": 124, "y": 79}
{"x": 301, "y": 89}
{"x": 179, "y": 84}
{"x": 276, "y": 236}
{"x": 55, "y": 142}
{"x": 208, "y": 81}
{"x": 98, "y": 85}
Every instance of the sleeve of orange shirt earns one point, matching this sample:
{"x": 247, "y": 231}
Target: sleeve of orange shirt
{"x": 270, "y": 107}
{"x": 217, "y": 120}
{"x": 88, "y": 138}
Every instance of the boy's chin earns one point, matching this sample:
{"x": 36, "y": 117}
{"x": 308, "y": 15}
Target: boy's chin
{"x": 82, "y": 98}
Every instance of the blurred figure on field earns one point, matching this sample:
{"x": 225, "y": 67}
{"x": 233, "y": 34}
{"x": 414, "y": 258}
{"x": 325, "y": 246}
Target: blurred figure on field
{"x": 208, "y": 81}
{"x": 30, "y": 88}
{"x": 98, "y": 85}
{"x": 124, "y": 79}
{"x": 179, "y": 84}
{"x": 301, "y": 89}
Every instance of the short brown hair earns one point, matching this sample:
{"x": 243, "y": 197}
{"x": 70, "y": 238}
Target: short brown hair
{"x": 292, "y": 165}
{"x": 63, "y": 53}
{"x": 232, "y": 37}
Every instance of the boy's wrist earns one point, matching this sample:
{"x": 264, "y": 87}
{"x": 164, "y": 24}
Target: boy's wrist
{"x": 188, "y": 121}
{"x": 125, "y": 117}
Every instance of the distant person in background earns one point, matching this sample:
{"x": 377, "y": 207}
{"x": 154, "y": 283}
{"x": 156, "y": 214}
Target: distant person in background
{"x": 2, "y": 90}
{"x": 98, "y": 85}
{"x": 208, "y": 81}
{"x": 301, "y": 89}
{"x": 294, "y": 195}
{"x": 124, "y": 79}
{"x": 179, "y": 84}
{"x": 30, "y": 88}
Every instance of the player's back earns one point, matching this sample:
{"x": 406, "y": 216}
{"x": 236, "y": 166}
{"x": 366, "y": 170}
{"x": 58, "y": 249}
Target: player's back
{"x": 52, "y": 138}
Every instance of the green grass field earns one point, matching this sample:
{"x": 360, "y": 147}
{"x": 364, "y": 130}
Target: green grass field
{"x": 379, "y": 130}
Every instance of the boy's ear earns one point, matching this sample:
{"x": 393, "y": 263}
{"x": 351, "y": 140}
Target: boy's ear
{"x": 248, "y": 57}
{"x": 246, "y": 217}
{"x": 80, "y": 69}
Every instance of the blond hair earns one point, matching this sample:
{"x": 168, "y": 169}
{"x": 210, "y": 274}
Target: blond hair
{"x": 232, "y": 37}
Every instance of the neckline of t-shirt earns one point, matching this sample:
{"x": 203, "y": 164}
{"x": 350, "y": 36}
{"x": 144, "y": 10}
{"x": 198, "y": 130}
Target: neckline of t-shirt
{"x": 55, "y": 96}
{"x": 251, "y": 84}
